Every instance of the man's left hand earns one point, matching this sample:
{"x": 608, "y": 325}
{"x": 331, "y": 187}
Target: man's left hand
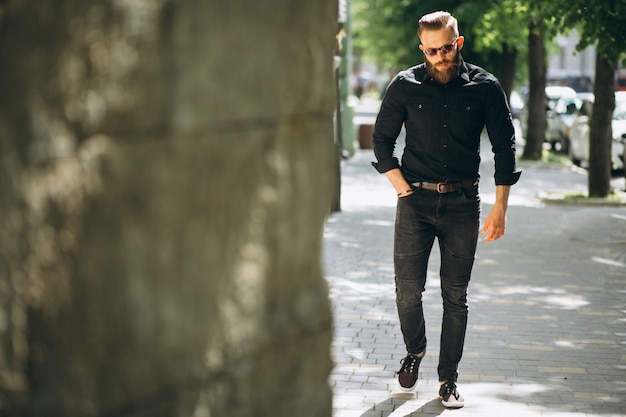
{"x": 495, "y": 224}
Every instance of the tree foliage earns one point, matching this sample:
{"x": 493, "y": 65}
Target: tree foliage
{"x": 599, "y": 22}
{"x": 505, "y": 24}
{"x": 504, "y": 27}
{"x": 502, "y": 31}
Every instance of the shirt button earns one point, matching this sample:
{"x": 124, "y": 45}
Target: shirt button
{"x": 445, "y": 125}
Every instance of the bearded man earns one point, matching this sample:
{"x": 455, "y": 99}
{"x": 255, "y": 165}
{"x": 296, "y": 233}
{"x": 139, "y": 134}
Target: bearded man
{"x": 444, "y": 104}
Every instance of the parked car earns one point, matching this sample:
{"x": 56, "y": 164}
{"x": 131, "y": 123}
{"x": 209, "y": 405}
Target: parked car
{"x": 579, "y": 135}
{"x": 566, "y": 109}
{"x": 558, "y": 102}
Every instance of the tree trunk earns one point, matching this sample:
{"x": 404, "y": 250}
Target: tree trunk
{"x": 508, "y": 61}
{"x": 536, "y": 131}
{"x": 600, "y": 130}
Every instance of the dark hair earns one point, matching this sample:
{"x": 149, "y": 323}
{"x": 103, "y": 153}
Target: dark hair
{"x": 436, "y": 21}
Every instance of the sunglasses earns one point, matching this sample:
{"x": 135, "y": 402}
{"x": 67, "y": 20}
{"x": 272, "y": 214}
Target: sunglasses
{"x": 445, "y": 50}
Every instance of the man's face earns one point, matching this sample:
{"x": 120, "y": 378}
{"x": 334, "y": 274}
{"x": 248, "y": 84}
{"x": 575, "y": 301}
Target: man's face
{"x": 442, "y": 67}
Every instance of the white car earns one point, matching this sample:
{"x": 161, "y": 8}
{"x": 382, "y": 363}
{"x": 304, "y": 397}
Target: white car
{"x": 579, "y": 135}
{"x": 557, "y": 103}
{"x": 560, "y": 101}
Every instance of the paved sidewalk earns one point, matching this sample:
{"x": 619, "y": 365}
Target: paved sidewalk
{"x": 547, "y": 325}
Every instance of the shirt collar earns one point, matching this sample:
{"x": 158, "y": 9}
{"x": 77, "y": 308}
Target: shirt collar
{"x": 464, "y": 72}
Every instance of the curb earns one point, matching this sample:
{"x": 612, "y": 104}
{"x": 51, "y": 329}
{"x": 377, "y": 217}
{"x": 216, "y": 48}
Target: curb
{"x": 563, "y": 198}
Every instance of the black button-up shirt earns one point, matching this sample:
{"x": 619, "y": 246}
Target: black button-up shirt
{"x": 443, "y": 126}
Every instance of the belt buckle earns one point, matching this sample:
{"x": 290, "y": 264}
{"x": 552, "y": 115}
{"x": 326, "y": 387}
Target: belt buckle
{"x": 440, "y": 187}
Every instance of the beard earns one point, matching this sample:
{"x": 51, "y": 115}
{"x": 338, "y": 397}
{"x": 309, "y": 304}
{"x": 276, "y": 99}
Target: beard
{"x": 446, "y": 74}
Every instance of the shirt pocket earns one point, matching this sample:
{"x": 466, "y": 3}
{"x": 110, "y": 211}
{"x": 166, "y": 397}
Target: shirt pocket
{"x": 419, "y": 115}
{"x": 470, "y": 113}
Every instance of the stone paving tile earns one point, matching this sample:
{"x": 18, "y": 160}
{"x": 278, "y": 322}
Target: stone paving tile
{"x": 546, "y": 334}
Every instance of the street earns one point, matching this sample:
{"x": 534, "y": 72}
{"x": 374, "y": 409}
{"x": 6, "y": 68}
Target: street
{"x": 546, "y": 334}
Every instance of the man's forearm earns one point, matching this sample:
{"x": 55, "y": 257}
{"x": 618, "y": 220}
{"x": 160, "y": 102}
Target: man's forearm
{"x": 502, "y": 196}
{"x": 398, "y": 181}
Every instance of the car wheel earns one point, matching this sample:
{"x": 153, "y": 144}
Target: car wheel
{"x": 555, "y": 146}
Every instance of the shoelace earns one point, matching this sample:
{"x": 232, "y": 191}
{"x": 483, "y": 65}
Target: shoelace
{"x": 450, "y": 388}
{"x": 407, "y": 363}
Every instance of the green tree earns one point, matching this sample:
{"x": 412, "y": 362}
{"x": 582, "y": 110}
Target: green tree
{"x": 503, "y": 29}
{"x": 600, "y": 23}
{"x": 513, "y": 28}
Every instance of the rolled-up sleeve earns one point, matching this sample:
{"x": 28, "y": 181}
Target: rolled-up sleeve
{"x": 506, "y": 176}
{"x": 386, "y": 165}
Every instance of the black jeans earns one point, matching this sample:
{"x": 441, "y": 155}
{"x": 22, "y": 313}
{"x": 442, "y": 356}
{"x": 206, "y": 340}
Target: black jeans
{"x": 454, "y": 219}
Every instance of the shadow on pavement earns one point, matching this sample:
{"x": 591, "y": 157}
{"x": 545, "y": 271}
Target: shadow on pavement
{"x": 385, "y": 408}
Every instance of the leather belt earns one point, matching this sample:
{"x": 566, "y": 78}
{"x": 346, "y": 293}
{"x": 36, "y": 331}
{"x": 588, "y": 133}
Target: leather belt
{"x": 445, "y": 187}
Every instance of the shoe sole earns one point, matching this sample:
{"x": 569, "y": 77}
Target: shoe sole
{"x": 452, "y": 405}
{"x": 410, "y": 389}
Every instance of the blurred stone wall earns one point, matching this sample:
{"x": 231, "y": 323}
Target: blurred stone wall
{"x": 165, "y": 171}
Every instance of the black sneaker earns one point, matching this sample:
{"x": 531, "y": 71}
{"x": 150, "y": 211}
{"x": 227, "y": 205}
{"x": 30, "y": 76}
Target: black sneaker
{"x": 407, "y": 375}
{"x": 450, "y": 397}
